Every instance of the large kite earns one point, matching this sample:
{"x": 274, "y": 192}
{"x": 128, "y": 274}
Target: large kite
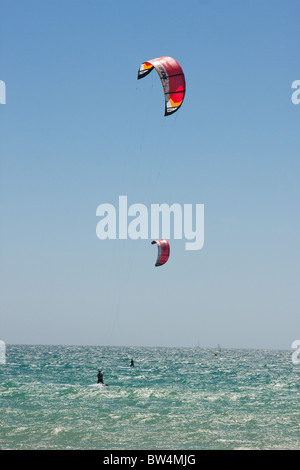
{"x": 172, "y": 79}
{"x": 163, "y": 251}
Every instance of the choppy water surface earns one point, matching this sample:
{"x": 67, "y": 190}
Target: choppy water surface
{"x": 179, "y": 399}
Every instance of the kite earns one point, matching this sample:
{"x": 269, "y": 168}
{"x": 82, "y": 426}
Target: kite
{"x": 163, "y": 251}
{"x": 172, "y": 79}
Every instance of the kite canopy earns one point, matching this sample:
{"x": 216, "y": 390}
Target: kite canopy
{"x": 172, "y": 79}
{"x": 163, "y": 251}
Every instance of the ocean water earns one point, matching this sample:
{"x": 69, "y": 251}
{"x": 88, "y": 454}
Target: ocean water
{"x": 174, "y": 398}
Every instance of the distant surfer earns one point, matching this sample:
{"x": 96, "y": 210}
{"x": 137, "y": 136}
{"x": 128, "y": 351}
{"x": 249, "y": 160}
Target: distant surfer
{"x": 100, "y": 377}
{"x": 131, "y": 363}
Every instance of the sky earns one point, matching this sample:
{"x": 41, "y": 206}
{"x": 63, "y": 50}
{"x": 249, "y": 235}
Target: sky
{"x": 79, "y": 130}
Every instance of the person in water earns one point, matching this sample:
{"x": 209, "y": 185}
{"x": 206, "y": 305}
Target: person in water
{"x": 100, "y": 377}
{"x": 131, "y": 363}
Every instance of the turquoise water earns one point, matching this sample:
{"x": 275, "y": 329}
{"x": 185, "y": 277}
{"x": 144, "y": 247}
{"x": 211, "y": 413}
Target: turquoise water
{"x": 174, "y": 398}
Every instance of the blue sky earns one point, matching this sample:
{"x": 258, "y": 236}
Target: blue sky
{"x": 78, "y": 130}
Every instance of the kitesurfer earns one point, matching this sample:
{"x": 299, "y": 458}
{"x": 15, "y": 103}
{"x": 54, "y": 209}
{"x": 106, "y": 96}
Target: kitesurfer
{"x": 100, "y": 377}
{"x": 131, "y": 363}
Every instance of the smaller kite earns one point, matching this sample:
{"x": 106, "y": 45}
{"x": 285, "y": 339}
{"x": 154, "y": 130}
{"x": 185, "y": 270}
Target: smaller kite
{"x": 163, "y": 251}
{"x": 172, "y": 79}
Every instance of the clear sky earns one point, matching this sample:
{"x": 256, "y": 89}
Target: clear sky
{"x": 79, "y": 130}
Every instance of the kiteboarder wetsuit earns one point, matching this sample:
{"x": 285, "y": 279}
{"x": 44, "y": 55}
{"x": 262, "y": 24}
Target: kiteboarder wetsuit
{"x": 131, "y": 363}
{"x": 100, "y": 377}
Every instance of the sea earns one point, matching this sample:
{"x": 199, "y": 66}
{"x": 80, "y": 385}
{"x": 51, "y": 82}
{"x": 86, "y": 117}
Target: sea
{"x": 175, "y": 399}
